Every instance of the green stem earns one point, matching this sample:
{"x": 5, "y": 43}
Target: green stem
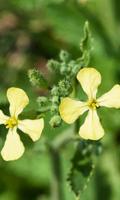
{"x": 57, "y": 179}
{"x": 77, "y": 123}
{"x": 63, "y": 139}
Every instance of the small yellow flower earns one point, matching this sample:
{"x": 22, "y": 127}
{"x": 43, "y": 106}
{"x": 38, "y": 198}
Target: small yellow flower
{"x": 13, "y": 147}
{"x": 70, "y": 109}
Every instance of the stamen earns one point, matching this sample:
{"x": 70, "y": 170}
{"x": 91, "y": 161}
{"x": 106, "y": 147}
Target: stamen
{"x": 93, "y": 104}
{"x": 11, "y": 122}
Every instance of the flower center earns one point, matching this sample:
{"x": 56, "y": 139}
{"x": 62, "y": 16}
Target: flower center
{"x": 93, "y": 104}
{"x": 11, "y": 122}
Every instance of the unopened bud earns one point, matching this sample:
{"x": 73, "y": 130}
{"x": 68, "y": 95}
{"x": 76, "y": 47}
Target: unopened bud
{"x": 55, "y": 121}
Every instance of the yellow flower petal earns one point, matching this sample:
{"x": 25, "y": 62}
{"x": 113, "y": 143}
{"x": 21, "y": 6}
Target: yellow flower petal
{"x": 89, "y": 79}
{"x": 32, "y": 127}
{"x": 3, "y": 117}
{"x": 17, "y": 99}
{"x": 91, "y": 128}
{"x": 13, "y": 147}
{"x": 111, "y": 98}
{"x": 71, "y": 109}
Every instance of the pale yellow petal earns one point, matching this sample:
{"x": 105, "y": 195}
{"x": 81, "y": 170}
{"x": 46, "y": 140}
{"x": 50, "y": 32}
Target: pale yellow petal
{"x": 33, "y": 128}
{"x": 18, "y": 100}
{"x": 89, "y": 79}
{"x": 111, "y": 99}
{"x": 91, "y": 128}
{"x": 13, "y": 147}
{"x": 71, "y": 109}
{"x": 3, "y": 117}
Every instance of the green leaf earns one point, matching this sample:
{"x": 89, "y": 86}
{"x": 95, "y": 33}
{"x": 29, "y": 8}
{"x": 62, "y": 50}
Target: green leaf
{"x": 85, "y": 46}
{"x": 85, "y": 42}
{"x": 82, "y": 168}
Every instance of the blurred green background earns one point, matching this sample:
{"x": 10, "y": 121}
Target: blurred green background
{"x": 31, "y": 32}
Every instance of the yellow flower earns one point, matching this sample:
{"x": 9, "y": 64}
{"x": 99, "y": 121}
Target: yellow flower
{"x": 70, "y": 109}
{"x": 13, "y": 147}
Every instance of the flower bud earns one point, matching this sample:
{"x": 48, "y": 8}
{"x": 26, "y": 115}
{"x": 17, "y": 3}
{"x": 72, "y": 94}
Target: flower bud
{"x": 64, "y": 56}
{"x": 55, "y": 121}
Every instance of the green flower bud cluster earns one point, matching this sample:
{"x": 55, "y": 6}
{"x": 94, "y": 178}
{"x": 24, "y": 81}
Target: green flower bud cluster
{"x": 54, "y": 100}
{"x": 37, "y": 79}
{"x": 60, "y": 66}
{"x": 53, "y": 65}
{"x": 63, "y": 89}
{"x": 55, "y": 121}
{"x": 64, "y": 56}
{"x": 43, "y": 104}
{"x": 67, "y": 68}
{"x": 51, "y": 102}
